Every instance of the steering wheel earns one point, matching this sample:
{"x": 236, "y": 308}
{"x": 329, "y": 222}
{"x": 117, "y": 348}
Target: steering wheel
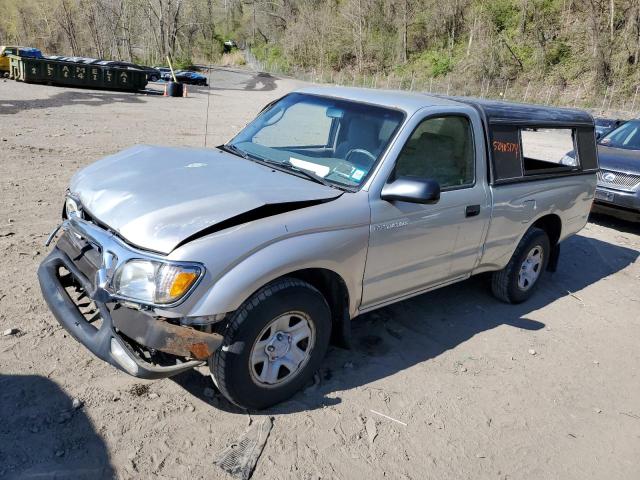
{"x": 362, "y": 151}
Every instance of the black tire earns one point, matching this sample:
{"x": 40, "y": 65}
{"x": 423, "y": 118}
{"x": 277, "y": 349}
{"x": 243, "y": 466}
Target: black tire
{"x": 231, "y": 366}
{"x": 504, "y": 283}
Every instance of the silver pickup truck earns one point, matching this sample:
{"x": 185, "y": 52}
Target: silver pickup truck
{"x": 254, "y": 256}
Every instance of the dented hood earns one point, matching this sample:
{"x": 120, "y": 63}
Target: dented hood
{"x": 157, "y": 198}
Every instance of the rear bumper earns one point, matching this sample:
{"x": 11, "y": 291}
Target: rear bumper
{"x": 107, "y": 342}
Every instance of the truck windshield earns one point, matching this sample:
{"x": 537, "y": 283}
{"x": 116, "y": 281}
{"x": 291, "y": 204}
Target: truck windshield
{"x": 336, "y": 140}
{"x": 626, "y": 136}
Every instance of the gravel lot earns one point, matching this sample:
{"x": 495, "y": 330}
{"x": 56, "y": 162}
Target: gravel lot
{"x": 545, "y": 390}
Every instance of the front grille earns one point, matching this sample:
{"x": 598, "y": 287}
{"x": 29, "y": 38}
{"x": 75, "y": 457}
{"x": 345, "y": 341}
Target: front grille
{"x": 80, "y": 298}
{"x": 82, "y": 254}
{"x": 618, "y": 180}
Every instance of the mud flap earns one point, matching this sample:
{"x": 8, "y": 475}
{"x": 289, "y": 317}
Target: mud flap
{"x": 341, "y": 331}
{"x": 552, "y": 266}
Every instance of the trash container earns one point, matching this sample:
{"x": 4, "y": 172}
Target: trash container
{"x": 69, "y": 71}
{"x": 175, "y": 89}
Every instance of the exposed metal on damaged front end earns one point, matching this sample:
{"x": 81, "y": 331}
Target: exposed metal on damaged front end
{"x": 130, "y": 337}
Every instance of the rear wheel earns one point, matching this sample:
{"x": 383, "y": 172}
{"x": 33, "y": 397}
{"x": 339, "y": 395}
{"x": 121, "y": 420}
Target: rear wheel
{"x": 273, "y": 344}
{"x": 518, "y": 280}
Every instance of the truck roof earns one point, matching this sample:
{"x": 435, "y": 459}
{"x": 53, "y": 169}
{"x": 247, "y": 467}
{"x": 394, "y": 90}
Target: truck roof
{"x": 410, "y": 102}
{"x": 492, "y": 111}
{"x": 522, "y": 113}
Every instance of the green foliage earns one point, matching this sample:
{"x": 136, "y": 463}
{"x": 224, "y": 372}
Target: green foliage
{"x": 269, "y": 53}
{"x": 527, "y": 55}
{"x": 381, "y": 48}
{"x": 559, "y": 52}
{"x": 182, "y": 63}
{"x": 436, "y": 63}
{"x": 478, "y": 43}
{"x": 503, "y": 14}
{"x": 211, "y": 50}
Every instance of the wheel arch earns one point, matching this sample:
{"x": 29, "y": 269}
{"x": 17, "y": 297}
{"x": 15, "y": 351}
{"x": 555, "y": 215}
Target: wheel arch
{"x": 335, "y": 291}
{"x": 551, "y": 224}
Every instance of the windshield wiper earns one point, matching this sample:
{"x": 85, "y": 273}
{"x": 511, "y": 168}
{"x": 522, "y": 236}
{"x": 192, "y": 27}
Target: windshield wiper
{"x": 234, "y": 150}
{"x": 287, "y": 165}
{"x": 273, "y": 163}
{"x": 307, "y": 173}
{"x": 231, "y": 148}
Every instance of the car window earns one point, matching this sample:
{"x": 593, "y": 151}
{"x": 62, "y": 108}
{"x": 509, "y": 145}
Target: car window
{"x": 440, "y": 148}
{"x": 338, "y": 140}
{"x": 626, "y": 136}
{"x": 302, "y": 124}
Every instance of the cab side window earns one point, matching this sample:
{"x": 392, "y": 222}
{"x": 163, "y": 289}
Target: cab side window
{"x": 440, "y": 148}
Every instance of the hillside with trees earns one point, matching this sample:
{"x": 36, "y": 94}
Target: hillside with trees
{"x": 582, "y": 48}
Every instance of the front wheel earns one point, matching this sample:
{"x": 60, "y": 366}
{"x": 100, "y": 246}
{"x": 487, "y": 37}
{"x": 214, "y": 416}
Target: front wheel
{"x": 273, "y": 344}
{"x": 516, "y": 282}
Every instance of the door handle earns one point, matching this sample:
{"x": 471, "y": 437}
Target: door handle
{"x": 472, "y": 210}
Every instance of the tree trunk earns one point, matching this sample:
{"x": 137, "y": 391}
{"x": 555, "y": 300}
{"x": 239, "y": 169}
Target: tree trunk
{"x": 611, "y": 16}
{"x": 405, "y": 30}
{"x": 523, "y": 18}
{"x": 68, "y": 26}
{"x": 601, "y": 65}
{"x": 360, "y": 37}
{"x": 473, "y": 29}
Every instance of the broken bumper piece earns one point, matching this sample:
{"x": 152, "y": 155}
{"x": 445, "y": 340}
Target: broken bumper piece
{"x": 108, "y": 341}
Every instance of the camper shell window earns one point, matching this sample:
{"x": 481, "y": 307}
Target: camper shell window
{"x": 531, "y": 142}
{"x": 547, "y": 150}
{"x": 521, "y": 152}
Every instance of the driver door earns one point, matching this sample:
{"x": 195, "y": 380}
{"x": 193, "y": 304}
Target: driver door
{"x": 414, "y": 247}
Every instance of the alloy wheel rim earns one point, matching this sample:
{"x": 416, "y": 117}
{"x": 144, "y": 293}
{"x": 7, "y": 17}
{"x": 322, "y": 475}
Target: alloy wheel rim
{"x": 530, "y": 269}
{"x": 282, "y": 349}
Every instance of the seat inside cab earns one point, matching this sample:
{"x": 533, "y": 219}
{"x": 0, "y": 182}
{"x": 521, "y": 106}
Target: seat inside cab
{"x": 440, "y": 149}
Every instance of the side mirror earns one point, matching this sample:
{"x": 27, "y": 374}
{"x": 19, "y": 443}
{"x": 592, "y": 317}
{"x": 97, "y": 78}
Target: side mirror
{"x": 598, "y": 135}
{"x": 412, "y": 190}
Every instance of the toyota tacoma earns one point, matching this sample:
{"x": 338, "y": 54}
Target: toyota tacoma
{"x": 252, "y": 257}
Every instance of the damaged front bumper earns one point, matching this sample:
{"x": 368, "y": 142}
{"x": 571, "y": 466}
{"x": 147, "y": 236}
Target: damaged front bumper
{"x": 124, "y": 332}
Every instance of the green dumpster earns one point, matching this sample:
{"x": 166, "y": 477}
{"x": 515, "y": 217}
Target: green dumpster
{"x": 98, "y": 74}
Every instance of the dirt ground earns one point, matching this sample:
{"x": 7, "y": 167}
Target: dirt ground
{"x": 545, "y": 390}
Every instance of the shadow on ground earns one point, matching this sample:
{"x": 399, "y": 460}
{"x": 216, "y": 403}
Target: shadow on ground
{"x": 615, "y": 222}
{"x": 256, "y": 82}
{"x": 42, "y": 436}
{"x": 75, "y": 96}
{"x": 266, "y": 81}
{"x": 397, "y": 337}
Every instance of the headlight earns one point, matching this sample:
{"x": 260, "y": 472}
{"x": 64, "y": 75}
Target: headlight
{"x": 72, "y": 207}
{"x": 155, "y": 282}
